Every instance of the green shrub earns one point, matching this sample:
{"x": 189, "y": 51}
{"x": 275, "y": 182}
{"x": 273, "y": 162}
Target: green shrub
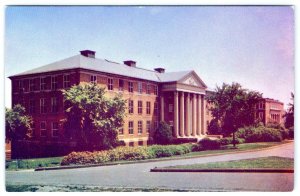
{"x": 209, "y": 144}
{"x": 228, "y": 140}
{"x": 263, "y": 134}
{"x": 125, "y": 153}
{"x": 291, "y": 133}
{"x": 163, "y": 134}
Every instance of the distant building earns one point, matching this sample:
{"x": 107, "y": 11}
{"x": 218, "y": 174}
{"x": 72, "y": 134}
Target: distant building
{"x": 270, "y": 111}
{"x": 177, "y": 98}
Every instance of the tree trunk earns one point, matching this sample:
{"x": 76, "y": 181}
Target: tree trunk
{"x": 233, "y": 139}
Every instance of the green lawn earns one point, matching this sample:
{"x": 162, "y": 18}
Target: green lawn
{"x": 55, "y": 161}
{"x": 258, "y": 163}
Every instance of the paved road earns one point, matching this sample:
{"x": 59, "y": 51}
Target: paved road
{"x": 138, "y": 175}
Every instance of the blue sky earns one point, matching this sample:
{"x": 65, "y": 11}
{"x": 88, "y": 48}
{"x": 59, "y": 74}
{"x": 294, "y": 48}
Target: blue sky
{"x": 250, "y": 45}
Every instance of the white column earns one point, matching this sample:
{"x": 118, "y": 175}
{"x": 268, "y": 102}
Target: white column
{"x": 187, "y": 110}
{"x": 203, "y": 103}
{"x": 182, "y": 114}
{"x": 199, "y": 116}
{"x": 162, "y": 115}
{"x": 175, "y": 114}
{"x": 194, "y": 125}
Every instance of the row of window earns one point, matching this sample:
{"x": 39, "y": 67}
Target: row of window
{"x": 43, "y": 85}
{"x": 110, "y": 85}
{"x": 140, "y": 107}
{"x": 140, "y": 127}
{"x": 43, "y": 105}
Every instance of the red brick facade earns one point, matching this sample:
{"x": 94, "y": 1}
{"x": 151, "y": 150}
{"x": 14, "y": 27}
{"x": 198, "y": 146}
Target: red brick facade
{"x": 270, "y": 111}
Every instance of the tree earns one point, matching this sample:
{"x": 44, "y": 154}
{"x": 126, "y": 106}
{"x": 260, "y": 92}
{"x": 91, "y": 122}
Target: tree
{"x": 163, "y": 134}
{"x": 289, "y": 114}
{"x": 92, "y": 119}
{"x": 17, "y": 123}
{"x": 234, "y": 107}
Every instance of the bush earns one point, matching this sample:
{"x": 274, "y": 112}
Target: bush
{"x": 291, "y": 133}
{"x": 125, "y": 153}
{"x": 163, "y": 134}
{"x": 208, "y": 144}
{"x": 228, "y": 140}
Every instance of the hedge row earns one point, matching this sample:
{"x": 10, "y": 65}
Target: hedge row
{"x": 125, "y": 153}
{"x": 262, "y": 134}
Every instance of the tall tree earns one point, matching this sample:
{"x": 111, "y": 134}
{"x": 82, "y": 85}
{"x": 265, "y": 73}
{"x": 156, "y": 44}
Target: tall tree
{"x": 234, "y": 107}
{"x": 289, "y": 114}
{"x": 92, "y": 119}
{"x": 17, "y": 123}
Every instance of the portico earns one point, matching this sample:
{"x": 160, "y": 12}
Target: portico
{"x": 184, "y": 102}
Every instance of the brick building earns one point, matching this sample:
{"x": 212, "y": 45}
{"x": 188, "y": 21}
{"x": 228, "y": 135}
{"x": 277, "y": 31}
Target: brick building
{"x": 152, "y": 96}
{"x": 270, "y": 111}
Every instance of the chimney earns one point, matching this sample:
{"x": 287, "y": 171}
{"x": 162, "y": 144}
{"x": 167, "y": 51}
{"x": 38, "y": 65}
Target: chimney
{"x": 160, "y": 70}
{"x": 130, "y": 63}
{"x": 88, "y": 53}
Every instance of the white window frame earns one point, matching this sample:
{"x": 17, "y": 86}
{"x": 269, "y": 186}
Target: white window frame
{"x": 148, "y": 126}
{"x": 130, "y": 87}
{"x": 140, "y": 107}
{"x": 121, "y": 131}
{"x": 110, "y": 84}
{"x": 140, "y": 127}
{"x": 43, "y": 83}
{"x": 21, "y": 85}
{"x": 140, "y": 87}
{"x": 155, "y": 108}
{"x": 93, "y": 79}
{"x": 56, "y": 129}
{"x": 130, "y": 127}
{"x": 54, "y": 83}
{"x": 31, "y": 106}
{"x": 43, "y": 105}
{"x": 31, "y": 85}
{"x": 155, "y": 90}
{"x": 148, "y": 107}
{"x": 67, "y": 83}
{"x": 54, "y": 104}
{"x": 148, "y": 89}
{"x": 130, "y": 107}
{"x": 121, "y": 88}
{"x": 44, "y": 129}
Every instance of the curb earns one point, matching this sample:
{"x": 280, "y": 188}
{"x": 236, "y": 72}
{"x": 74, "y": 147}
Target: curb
{"x": 254, "y": 170}
{"x": 154, "y": 160}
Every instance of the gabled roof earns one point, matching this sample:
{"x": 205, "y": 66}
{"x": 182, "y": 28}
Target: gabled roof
{"x": 106, "y": 66}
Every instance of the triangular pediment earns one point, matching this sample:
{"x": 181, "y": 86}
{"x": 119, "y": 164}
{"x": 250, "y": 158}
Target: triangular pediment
{"x": 192, "y": 79}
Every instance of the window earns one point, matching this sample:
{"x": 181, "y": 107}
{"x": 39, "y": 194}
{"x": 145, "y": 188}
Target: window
{"x": 155, "y": 109}
{"x": 121, "y": 85}
{"x": 54, "y": 82}
{"x": 54, "y": 106}
{"x": 148, "y": 107}
{"x": 93, "y": 79}
{"x": 140, "y": 127}
{"x": 140, "y": 143}
{"x": 131, "y": 144}
{"x": 170, "y": 107}
{"x": 155, "y": 90}
{"x": 66, "y": 105}
{"x": 130, "y": 127}
{"x": 43, "y": 105}
{"x": 130, "y": 107}
{"x": 31, "y": 85}
{"x": 130, "y": 87}
{"x": 21, "y": 85}
{"x": 140, "y": 107}
{"x": 140, "y": 87}
{"x": 54, "y": 129}
{"x": 155, "y": 124}
{"x": 121, "y": 131}
{"x": 43, "y": 84}
{"x": 31, "y": 106}
{"x": 148, "y": 126}
{"x": 67, "y": 83}
{"x": 43, "y": 129}
{"x": 110, "y": 85}
{"x": 148, "y": 91}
